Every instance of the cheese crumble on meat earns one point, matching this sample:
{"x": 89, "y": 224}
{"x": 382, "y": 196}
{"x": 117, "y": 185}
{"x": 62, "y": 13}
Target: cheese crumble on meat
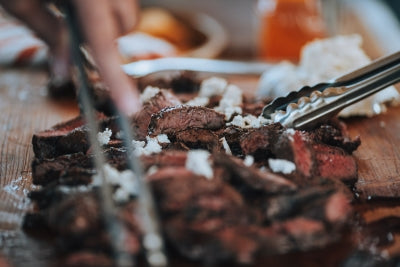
{"x": 198, "y": 162}
{"x": 104, "y": 137}
{"x": 163, "y": 139}
{"x": 125, "y": 180}
{"x": 249, "y": 121}
{"x": 148, "y": 93}
{"x": 151, "y": 146}
{"x": 281, "y": 165}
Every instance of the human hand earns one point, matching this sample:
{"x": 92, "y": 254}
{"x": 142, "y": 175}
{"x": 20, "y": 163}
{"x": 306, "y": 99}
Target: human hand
{"x": 102, "y": 21}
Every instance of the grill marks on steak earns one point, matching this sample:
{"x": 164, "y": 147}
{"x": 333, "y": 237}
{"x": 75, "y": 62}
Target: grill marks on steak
{"x": 172, "y": 120}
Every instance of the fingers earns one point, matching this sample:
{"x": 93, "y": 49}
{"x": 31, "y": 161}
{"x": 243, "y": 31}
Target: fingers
{"x": 100, "y": 29}
{"x": 126, "y": 13}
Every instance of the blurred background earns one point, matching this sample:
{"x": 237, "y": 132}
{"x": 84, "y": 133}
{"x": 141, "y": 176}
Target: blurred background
{"x": 376, "y": 20}
{"x": 270, "y": 30}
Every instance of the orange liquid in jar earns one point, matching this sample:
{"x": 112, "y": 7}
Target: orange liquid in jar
{"x": 286, "y": 26}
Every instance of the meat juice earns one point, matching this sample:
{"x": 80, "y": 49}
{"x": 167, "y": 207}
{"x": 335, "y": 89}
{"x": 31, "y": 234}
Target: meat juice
{"x": 286, "y": 26}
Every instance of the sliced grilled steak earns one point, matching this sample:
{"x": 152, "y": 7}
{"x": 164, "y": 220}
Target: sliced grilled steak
{"x": 171, "y": 158}
{"x": 51, "y": 170}
{"x": 294, "y": 146}
{"x": 161, "y": 100}
{"x": 259, "y": 141}
{"x": 172, "y": 120}
{"x": 335, "y": 134}
{"x": 195, "y": 138}
{"x": 251, "y": 179}
{"x": 335, "y": 163}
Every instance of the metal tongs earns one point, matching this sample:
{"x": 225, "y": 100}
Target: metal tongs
{"x": 312, "y": 105}
{"x": 152, "y": 238}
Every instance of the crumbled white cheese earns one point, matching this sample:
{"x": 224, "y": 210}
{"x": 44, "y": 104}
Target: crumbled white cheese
{"x": 212, "y": 86}
{"x": 148, "y": 93}
{"x": 231, "y": 101}
{"x": 138, "y": 147}
{"x": 163, "y": 139}
{"x": 198, "y": 162}
{"x": 249, "y": 121}
{"x": 104, "y": 137}
{"x": 248, "y": 160}
{"x": 125, "y": 180}
{"x": 232, "y": 97}
{"x": 238, "y": 121}
{"x": 229, "y": 111}
{"x": 225, "y": 145}
{"x": 198, "y": 101}
{"x": 281, "y": 165}
{"x": 152, "y": 146}
{"x": 149, "y": 147}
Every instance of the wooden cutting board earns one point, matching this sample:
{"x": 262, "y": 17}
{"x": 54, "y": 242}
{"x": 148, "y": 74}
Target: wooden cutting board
{"x": 25, "y": 109}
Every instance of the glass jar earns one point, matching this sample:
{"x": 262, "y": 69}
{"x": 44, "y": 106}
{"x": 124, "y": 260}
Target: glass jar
{"x": 285, "y": 26}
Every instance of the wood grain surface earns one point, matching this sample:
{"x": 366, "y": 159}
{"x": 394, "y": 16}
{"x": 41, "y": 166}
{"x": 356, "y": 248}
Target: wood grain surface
{"x": 24, "y": 110}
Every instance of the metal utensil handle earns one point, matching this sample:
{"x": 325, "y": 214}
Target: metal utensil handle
{"x": 113, "y": 226}
{"x": 374, "y": 67}
{"x": 384, "y": 79}
{"x": 360, "y": 75}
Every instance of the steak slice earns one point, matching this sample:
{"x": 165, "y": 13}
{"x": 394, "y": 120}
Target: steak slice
{"x": 251, "y": 179}
{"x": 322, "y": 203}
{"x": 161, "y": 100}
{"x": 294, "y": 146}
{"x": 258, "y": 141}
{"x": 166, "y": 158}
{"x": 69, "y": 137}
{"x": 60, "y": 141}
{"x": 172, "y": 120}
{"x": 335, "y": 134}
{"x": 335, "y": 163}
{"x": 195, "y": 138}
{"x": 73, "y": 169}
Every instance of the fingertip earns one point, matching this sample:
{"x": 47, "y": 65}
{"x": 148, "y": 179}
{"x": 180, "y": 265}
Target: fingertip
{"x": 129, "y": 104}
